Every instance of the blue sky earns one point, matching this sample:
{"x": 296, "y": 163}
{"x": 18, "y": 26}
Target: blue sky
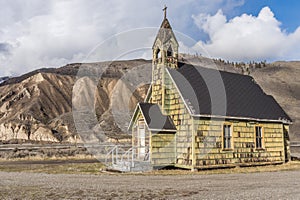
{"x": 286, "y": 11}
{"x": 51, "y": 33}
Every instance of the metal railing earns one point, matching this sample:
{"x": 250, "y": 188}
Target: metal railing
{"x": 112, "y": 154}
{"x": 126, "y": 159}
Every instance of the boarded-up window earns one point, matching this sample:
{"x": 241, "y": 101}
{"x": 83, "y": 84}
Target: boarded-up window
{"x": 259, "y": 137}
{"x": 227, "y": 137}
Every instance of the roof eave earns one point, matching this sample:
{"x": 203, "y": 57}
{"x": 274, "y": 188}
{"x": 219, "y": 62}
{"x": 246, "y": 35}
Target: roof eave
{"x": 160, "y": 130}
{"x": 149, "y": 94}
{"x": 138, "y": 107}
{"x": 180, "y": 94}
{"x": 133, "y": 117}
{"x": 243, "y": 118}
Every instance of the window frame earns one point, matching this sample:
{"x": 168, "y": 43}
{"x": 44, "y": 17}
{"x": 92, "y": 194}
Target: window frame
{"x": 231, "y": 142}
{"x": 262, "y": 143}
{"x": 170, "y": 52}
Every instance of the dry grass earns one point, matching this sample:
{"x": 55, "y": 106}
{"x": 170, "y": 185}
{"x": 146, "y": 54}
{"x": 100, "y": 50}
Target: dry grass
{"x": 44, "y": 158}
{"x": 290, "y": 166}
{"x": 71, "y": 167}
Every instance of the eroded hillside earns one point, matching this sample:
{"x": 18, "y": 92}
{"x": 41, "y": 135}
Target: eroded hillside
{"x": 38, "y": 105}
{"x": 282, "y": 80}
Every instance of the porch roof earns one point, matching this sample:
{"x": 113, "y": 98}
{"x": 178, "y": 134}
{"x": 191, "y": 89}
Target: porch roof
{"x": 154, "y": 118}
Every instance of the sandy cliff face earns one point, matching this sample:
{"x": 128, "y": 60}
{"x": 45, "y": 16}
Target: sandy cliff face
{"x": 25, "y": 108}
{"x": 38, "y": 105}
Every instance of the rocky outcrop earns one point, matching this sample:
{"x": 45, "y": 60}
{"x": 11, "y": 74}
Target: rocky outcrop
{"x": 38, "y": 106}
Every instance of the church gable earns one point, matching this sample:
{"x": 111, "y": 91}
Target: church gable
{"x": 153, "y": 118}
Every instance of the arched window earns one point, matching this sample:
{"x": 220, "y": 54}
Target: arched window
{"x": 158, "y": 54}
{"x": 169, "y": 52}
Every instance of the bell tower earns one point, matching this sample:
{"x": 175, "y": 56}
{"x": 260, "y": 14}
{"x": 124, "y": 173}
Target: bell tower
{"x": 165, "y": 54}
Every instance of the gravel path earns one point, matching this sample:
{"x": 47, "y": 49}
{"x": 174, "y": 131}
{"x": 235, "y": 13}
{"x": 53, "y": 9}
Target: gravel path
{"x": 266, "y": 185}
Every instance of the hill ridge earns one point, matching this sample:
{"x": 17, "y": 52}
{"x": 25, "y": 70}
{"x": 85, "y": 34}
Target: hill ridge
{"x": 41, "y": 100}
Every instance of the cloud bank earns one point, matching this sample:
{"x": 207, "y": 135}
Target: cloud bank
{"x": 247, "y": 37}
{"x": 51, "y": 33}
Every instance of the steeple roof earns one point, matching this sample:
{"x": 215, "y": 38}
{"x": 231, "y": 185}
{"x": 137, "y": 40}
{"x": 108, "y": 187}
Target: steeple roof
{"x": 165, "y": 32}
{"x": 166, "y": 24}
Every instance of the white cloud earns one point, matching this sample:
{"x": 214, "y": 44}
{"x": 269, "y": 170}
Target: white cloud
{"x": 52, "y": 33}
{"x": 247, "y": 37}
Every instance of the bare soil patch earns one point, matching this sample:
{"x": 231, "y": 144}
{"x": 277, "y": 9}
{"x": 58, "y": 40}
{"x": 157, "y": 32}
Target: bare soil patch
{"x": 265, "y": 185}
{"x": 86, "y": 179}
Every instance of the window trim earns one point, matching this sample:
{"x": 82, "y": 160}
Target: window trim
{"x": 231, "y": 137}
{"x": 262, "y": 147}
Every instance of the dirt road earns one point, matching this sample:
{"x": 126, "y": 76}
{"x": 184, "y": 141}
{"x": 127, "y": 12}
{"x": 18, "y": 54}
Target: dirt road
{"x": 265, "y": 185}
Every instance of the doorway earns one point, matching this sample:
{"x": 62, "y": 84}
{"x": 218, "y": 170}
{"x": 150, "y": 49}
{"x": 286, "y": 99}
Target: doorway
{"x": 142, "y": 140}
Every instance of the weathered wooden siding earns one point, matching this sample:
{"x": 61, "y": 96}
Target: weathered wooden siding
{"x": 274, "y": 142}
{"x": 162, "y": 149}
{"x": 157, "y": 84}
{"x": 287, "y": 145}
{"x": 175, "y": 108}
{"x": 209, "y": 143}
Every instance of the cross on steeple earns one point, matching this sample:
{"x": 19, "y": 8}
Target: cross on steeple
{"x": 165, "y": 11}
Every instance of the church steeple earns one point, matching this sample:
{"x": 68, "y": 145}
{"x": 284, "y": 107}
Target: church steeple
{"x": 165, "y": 54}
{"x": 165, "y": 47}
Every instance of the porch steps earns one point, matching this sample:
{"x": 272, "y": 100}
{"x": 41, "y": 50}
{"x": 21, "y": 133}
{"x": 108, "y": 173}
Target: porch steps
{"x": 142, "y": 166}
{"x": 124, "y": 159}
{"x": 125, "y": 166}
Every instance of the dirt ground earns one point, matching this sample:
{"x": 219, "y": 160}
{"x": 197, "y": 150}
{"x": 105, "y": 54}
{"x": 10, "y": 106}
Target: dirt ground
{"x": 263, "y": 185}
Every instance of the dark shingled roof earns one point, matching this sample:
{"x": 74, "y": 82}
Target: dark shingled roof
{"x": 155, "y": 119}
{"x": 213, "y": 92}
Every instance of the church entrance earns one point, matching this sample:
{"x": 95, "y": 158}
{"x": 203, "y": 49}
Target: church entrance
{"x": 142, "y": 140}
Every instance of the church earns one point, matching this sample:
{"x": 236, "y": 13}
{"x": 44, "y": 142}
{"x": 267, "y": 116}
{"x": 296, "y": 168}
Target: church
{"x": 196, "y": 118}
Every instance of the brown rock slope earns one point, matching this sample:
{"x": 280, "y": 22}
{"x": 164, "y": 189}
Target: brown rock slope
{"x": 38, "y": 105}
{"x": 282, "y": 81}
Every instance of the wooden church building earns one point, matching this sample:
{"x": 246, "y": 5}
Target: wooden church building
{"x": 195, "y": 117}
